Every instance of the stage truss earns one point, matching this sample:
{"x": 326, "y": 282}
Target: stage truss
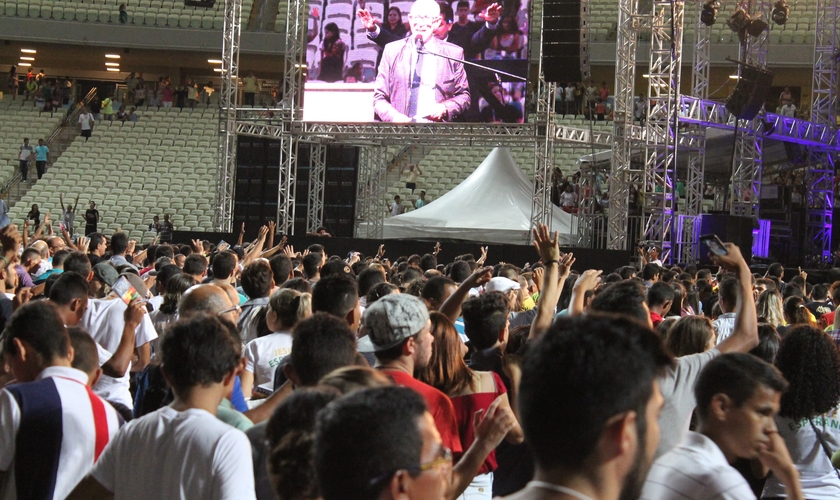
{"x": 643, "y": 157}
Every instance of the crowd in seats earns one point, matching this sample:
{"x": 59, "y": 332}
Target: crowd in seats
{"x": 20, "y": 118}
{"x": 166, "y": 166}
{"x": 429, "y": 377}
{"x": 157, "y": 13}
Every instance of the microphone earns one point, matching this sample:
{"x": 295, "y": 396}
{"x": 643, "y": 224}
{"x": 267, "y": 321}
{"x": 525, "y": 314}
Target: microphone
{"x": 418, "y": 43}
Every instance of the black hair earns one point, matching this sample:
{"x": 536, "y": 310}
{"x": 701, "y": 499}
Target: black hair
{"x": 38, "y": 324}
{"x": 446, "y": 11}
{"x": 224, "y": 263}
{"x": 768, "y": 343}
{"x": 625, "y": 297}
{"x": 96, "y": 239}
{"x": 256, "y": 279}
{"x": 507, "y": 271}
{"x": 195, "y": 265}
{"x": 650, "y": 271}
{"x": 119, "y": 243}
{"x": 77, "y": 262}
{"x": 336, "y": 266}
{"x": 809, "y": 360}
{"x": 199, "y": 350}
{"x": 316, "y": 248}
{"x": 59, "y": 258}
{"x": 485, "y": 317}
{"x": 460, "y": 271}
{"x": 69, "y": 286}
{"x": 435, "y": 288}
{"x": 818, "y": 293}
{"x": 775, "y": 270}
{"x": 165, "y": 251}
{"x": 728, "y": 291}
{"x": 85, "y": 354}
{"x": 410, "y": 275}
{"x": 29, "y": 254}
{"x": 290, "y": 434}
{"x": 321, "y": 343}
{"x": 376, "y": 430}
{"x": 612, "y": 278}
{"x": 428, "y": 261}
{"x": 368, "y": 278}
{"x": 738, "y": 376}
{"x": 336, "y": 295}
{"x": 583, "y": 371}
{"x": 627, "y": 272}
{"x": 299, "y": 284}
{"x": 378, "y": 291}
{"x": 311, "y": 264}
{"x": 176, "y": 286}
{"x": 281, "y": 267}
{"x": 659, "y": 293}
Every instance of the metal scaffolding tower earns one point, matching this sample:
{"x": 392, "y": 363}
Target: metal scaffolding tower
{"x": 622, "y": 173}
{"x": 370, "y": 202}
{"x": 821, "y": 161}
{"x": 226, "y": 172}
{"x": 662, "y": 125}
{"x": 315, "y": 200}
{"x": 749, "y": 142}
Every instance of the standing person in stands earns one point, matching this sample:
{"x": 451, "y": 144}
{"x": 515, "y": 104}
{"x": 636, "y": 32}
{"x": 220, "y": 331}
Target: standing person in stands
{"x": 166, "y": 95}
{"x": 54, "y": 428}
{"x": 26, "y": 153}
{"x": 34, "y": 215}
{"x": 42, "y": 156}
{"x": 13, "y": 82}
{"x": 332, "y": 55}
{"x": 737, "y": 397}
{"x": 68, "y": 215}
{"x": 182, "y": 450}
{"x": 108, "y": 108}
{"x": 165, "y": 229}
{"x": 250, "y": 88}
{"x": 413, "y": 174}
{"x": 91, "y": 219}
{"x": 192, "y": 94}
{"x": 86, "y": 122}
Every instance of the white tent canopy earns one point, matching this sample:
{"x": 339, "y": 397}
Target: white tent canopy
{"x": 492, "y": 205}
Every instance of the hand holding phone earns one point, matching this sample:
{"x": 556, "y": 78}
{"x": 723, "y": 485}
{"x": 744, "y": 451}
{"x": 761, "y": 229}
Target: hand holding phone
{"x": 713, "y": 243}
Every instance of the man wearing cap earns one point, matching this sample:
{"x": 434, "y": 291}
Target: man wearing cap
{"x": 399, "y": 333}
{"x": 511, "y": 288}
{"x": 104, "y": 320}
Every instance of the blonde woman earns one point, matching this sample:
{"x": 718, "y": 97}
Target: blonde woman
{"x": 285, "y": 309}
{"x": 769, "y": 307}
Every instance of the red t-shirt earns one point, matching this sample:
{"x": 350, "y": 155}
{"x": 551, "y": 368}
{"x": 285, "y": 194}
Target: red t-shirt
{"x": 439, "y": 406}
{"x": 827, "y": 319}
{"x": 655, "y": 319}
{"x": 465, "y": 408}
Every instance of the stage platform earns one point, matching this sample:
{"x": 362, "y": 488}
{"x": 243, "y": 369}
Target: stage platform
{"x": 606, "y": 260}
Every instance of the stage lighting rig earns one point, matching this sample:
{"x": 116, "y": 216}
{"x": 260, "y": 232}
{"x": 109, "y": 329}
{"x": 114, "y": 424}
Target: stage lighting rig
{"x": 738, "y": 21}
{"x": 757, "y": 26}
{"x": 708, "y": 15}
{"x": 781, "y": 12}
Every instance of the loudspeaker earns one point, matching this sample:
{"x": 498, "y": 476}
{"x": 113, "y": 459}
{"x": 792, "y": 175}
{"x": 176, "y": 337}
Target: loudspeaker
{"x": 750, "y": 93}
{"x": 565, "y": 37}
{"x": 729, "y": 228}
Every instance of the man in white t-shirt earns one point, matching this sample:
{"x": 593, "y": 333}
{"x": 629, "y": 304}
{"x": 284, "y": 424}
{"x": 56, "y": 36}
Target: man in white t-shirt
{"x": 788, "y": 109}
{"x": 727, "y": 299}
{"x": 182, "y": 451}
{"x": 738, "y": 397}
{"x": 104, "y": 320}
{"x": 26, "y": 152}
{"x": 86, "y": 122}
{"x": 396, "y": 206}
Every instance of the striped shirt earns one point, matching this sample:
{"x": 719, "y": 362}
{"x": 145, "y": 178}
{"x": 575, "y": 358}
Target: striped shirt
{"x": 695, "y": 470}
{"x": 52, "y": 430}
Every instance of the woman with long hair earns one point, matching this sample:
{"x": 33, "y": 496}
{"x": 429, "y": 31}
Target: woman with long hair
{"x": 332, "y": 55}
{"x": 509, "y": 41}
{"x": 769, "y": 307}
{"x": 395, "y": 23}
{"x": 796, "y": 313}
{"x": 808, "y": 417}
{"x": 286, "y": 307}
{"x": 469, "y": 390}
{"x": 168, "y": 311}
{"x": 690, "y": 335}
{"x": 678, "y": 308}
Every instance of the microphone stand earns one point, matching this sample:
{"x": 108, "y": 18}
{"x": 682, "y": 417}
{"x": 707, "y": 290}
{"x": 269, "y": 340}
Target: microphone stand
{"x": 422, "y": 50}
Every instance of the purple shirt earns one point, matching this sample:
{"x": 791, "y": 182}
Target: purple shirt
{"x": 24, "y": 280}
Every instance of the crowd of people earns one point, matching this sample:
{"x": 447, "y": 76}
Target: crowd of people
{"x": 254, "y": 370}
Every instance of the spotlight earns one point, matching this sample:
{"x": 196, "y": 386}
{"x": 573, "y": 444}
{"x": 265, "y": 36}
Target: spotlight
{"x": 739, "y": 20}
{"x": 710, "y": 11}
{"x": 757, "y": 26}
{"x": 781, "y": 12}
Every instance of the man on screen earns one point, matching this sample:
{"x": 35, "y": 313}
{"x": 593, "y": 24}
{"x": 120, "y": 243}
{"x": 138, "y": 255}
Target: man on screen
{"x": 413, "y": 84}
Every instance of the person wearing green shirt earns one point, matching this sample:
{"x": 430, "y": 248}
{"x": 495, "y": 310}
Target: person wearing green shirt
{"x": 421, "y": 202}
{"x": 108, "y": 109}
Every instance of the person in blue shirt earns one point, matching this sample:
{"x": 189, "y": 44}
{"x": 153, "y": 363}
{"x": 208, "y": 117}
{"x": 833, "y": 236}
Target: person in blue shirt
{"x": 42, "y": 156}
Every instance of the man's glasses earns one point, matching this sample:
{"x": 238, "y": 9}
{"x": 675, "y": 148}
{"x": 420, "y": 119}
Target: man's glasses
{"x": 232, "y": 309}
{"x": 443, "y": 462}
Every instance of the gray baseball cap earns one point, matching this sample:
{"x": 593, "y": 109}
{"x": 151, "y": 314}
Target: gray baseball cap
{"x": 392, "y": 319}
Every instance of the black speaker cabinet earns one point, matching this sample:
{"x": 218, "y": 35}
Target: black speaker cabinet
{"x": 563, "y": 32}
{"x": 729, "y": 228}
{"x": 750, "y": 93}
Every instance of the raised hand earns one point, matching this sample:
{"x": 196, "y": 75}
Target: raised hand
{"x": 479, "y": 277}
{"x": 242, "y": 230}
{"x": 133, "y": 314}
{"x": 131, "y": 245}
{"x": 289, "y": 251}
{"x": 547, "y": 245}
{"x": 272, "y": 227}
{"x": 83, "y": 244}
{"x": 481, "y": 260}
{"x": 733, "y": 259}
{"x": 566, "y": 262}
{"x": 381, "y": 252}
{"x": 588, "y": 280}
{"x": 437, "y": 248}
{"x": 198, "y": 246}
{"x": 367, "y": 20}
{"x": 263, "y": 232}
{"x": 21, "y": 297}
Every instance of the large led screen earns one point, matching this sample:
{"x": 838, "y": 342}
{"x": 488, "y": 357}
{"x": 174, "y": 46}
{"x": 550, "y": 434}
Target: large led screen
{"x": 417, "y": 61}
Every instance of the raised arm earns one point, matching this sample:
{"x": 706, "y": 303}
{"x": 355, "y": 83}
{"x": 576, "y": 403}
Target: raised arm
{"x": 745, "y": 334}
{"x": 452, "y": 307}
{"x": 258, "y": 248}
{"x": 587, "y": 281}
{"x": 241, "y": 235}
{"x": 557, "y": 269}
{"x": 76, "y": 204}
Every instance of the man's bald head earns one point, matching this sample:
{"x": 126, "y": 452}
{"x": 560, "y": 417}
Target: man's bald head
{"x": 42, "y": 248}
{"x": 55, "y": 244}
{"x": 209, "y": 299}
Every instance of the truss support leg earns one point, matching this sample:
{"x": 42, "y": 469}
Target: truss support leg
{"x": 317, "y": 172}
{"x": 286, "y": 186}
